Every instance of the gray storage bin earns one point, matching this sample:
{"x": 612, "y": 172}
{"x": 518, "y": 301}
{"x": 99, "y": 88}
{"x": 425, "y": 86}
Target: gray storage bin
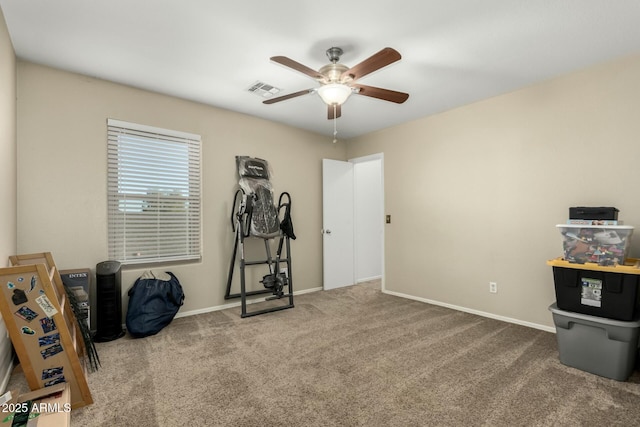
{"x": 598, "y": 345}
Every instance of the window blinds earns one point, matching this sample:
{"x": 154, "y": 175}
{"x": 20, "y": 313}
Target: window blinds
{"x": 153, "y": 193}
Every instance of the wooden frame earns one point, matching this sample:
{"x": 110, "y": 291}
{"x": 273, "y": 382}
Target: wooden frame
{"x": 42, "y": 326}
{"x": 47, "y": 259}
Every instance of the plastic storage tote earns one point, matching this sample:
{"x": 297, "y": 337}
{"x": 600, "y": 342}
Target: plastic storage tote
{"x": 597, "y": 345}
{"x": 611, "y": 292}
{"x": 603, "y": 245}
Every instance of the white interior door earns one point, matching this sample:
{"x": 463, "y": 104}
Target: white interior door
{"x": 337, "y": 224}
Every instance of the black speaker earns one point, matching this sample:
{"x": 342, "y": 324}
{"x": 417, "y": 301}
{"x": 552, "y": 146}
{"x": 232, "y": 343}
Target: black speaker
{"x": 108, "y": 302}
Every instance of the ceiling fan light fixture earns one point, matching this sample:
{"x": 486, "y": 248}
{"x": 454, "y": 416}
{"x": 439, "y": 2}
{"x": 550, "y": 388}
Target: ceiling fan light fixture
{"x": 334, "y": 93}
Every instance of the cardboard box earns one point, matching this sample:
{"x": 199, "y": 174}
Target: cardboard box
{"x": 80, "y": 281}
{"x": 48, "y": 407}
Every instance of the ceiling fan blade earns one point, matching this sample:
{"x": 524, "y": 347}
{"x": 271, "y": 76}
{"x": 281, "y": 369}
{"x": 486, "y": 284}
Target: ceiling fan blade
{"x": 288, "y": 62}
{"x": 331, "y": 111}
{"x": 285, "y": 97}
{"x": 381, "y": 59}
{"x": 384, "y": 94}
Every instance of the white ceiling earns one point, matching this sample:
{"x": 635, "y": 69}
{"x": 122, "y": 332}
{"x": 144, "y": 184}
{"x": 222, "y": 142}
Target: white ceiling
{"x": 454, "y": 52}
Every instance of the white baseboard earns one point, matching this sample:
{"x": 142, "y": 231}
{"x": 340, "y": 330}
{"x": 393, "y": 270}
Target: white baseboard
{"x": 236, "y": 304}
{"x": 368, "y": 279}
{"x": 472, "y": 311}
{"x": 397, "y": 294}
{"x": 308, "y": 291}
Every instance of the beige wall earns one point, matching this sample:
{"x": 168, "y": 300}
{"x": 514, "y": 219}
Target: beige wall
{"x": 7, "y": 145}
{"x": 475, "y": 192}
{"x": 62, "y": 175}
{"x": 7, "y": 175}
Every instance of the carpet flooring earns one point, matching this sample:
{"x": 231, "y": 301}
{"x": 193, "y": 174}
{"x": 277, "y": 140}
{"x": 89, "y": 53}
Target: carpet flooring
{"x": 348, "y": 357}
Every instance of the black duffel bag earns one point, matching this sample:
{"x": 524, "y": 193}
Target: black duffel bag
{"x": 153, "y": 303}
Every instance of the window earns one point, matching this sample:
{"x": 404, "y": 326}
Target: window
{"x": 153, "y": 194}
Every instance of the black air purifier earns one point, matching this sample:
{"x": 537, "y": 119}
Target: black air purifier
{"x": 108, "y": 302}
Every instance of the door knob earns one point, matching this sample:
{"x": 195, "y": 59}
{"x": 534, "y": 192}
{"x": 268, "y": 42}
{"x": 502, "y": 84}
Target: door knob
{"x": 328, "y": 231}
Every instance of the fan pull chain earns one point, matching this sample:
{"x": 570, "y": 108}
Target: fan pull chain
{"x": 335, "y": 126}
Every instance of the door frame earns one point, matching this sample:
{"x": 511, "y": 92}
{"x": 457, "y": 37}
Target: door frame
{"x": 363, "y": 159}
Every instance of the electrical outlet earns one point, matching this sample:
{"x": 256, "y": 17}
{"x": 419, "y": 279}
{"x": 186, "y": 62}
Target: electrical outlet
{"x": 493, "y": 287}
{"x": 283, "y": 270}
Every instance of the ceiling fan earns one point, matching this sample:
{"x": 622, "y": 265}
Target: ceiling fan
{"x": 338, "y": 82}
